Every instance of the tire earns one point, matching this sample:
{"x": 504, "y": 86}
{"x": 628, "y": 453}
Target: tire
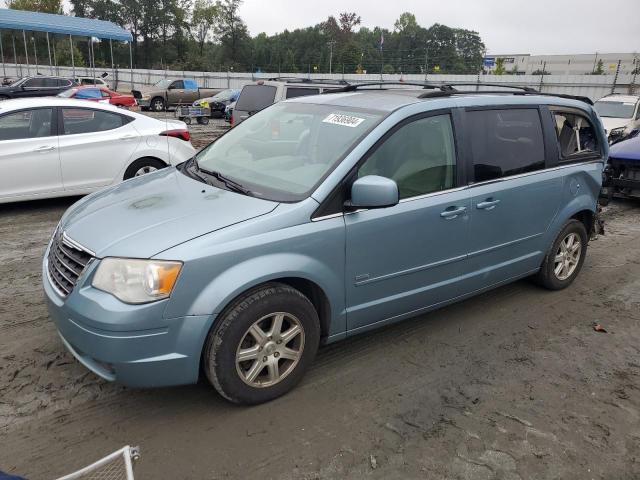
{"x": 203, "y": 120}
{"x": 187, "y": 120}
{"x": 551, "y": 275}
{"x": 138, "y": 167}
{"x": 157, "y": 104}
{"x": 254, "y": 380}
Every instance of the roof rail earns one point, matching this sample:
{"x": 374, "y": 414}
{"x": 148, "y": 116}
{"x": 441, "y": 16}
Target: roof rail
{"x": 354, "y": 86}
{"x": 306, "y": 80}
{"x": 482, "y": 84}
{"x": 452, "y": 91}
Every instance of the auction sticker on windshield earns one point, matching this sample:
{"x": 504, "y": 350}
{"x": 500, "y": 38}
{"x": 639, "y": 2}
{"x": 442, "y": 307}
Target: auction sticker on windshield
{"x": 344, "y": 120}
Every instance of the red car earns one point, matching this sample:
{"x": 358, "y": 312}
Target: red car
{"x": 100, "y": 94}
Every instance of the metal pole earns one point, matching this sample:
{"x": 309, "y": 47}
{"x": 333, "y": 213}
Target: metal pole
{"x": 49, "y": 51}
{"x": 426, "y": 62}
{"x": 131, "y": 64}
{"x": 4, "y": 68}
{"x": 73, "y": 63}
{"x": 544, "y": 69}
{"x": 112, "y": 65}
{"x": 15, "y": 56}
{"x": 26, "y": 52}
{"x": 330, "y": 55}
{"x": 55, "y": 60}
{"x": 93, "y": 57}
{"x": 35, "y": 52}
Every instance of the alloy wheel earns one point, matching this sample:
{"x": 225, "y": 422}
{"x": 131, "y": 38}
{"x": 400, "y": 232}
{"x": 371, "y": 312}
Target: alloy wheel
{"x": 567, "y": 256}
{"x": 270, "y": 349}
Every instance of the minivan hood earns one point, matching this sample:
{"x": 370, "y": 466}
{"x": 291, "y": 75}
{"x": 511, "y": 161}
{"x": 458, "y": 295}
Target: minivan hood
{"x": 612, "y": 122}
{"x": 149, "y": 214}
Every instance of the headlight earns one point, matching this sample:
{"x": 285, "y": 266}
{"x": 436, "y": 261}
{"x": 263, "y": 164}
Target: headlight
{"x": 136, "y": 281}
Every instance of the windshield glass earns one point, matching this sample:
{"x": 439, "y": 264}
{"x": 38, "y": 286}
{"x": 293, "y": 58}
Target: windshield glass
{"x": 163, "y": 84}
{"x": 283, "y": 152}
{"x": 615, "y": 109}
{"x": 18, "y": 82}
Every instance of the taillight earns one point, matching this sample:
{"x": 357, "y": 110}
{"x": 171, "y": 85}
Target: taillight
{"x": 231, "y": 120}
{"x": 177, "y": 133}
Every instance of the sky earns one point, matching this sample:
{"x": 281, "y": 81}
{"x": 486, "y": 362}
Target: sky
{"x": 540, "y": 27}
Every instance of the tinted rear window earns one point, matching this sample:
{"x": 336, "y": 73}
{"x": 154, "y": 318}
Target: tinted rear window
{"x": 505, "y": 142}
{"x": 256, "y": 97}
{"x": 293, "y": 92}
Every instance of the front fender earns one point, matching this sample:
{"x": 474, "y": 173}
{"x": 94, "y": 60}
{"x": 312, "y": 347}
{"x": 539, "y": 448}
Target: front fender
{"x": 229, "y": 284}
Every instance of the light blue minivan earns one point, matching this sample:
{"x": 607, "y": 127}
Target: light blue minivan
{"x": 319, "y": 218}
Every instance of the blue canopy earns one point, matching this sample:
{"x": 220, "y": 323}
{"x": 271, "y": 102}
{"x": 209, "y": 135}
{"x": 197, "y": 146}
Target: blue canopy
{"x": 48, "y": 22}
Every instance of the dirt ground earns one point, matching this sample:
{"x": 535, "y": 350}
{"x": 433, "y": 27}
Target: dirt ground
{"x": 512, "y": 384}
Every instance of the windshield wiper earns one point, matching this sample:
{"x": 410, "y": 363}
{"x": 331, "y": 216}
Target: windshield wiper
{"x": 230, "y": 184}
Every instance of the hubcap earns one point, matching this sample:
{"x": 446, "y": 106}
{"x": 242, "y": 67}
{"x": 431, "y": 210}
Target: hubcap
{"x": 270, "y": 349}
{"x": 567, "y": 256}
{"x": 143, "y": 170}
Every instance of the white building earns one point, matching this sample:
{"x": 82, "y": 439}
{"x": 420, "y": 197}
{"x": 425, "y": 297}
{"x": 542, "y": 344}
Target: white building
{"x": 578, "y": 64}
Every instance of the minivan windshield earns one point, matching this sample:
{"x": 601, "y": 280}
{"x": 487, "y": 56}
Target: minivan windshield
{"x": 615, "y": 109}
{"x": 285, "y": 151}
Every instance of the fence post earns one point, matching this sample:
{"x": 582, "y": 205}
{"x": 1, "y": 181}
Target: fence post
{"x": 544, "y": 70}
{"x": 615, "y": 78}
{"x": 636, "y": 67}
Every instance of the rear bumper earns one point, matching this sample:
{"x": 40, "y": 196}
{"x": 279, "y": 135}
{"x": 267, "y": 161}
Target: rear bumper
{"x": 158, "y": 352}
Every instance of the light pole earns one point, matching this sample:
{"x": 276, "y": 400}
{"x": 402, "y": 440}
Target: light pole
{"x": 331, "y": 44}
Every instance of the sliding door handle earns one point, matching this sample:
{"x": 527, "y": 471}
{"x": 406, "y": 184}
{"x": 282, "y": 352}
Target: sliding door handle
{"x": 487, "y": 204}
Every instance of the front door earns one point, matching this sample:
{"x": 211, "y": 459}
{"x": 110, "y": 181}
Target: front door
{"x": 405, "y": 258}
{"x": 513, "y": 198}
{"x": 29, "y": 154}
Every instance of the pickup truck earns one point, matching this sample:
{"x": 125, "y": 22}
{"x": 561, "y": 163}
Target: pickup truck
{"x": 169, "y": 93}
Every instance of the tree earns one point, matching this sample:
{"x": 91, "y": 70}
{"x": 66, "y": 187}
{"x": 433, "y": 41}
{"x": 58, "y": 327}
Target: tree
{"x": 499, "y": 69}
{"x": 231, "y": 29}
{"x": 43, "y": 6}
{"x": 203, "y": 20}
{"x": 599, "y": 70}
{"x": 406, "y": 24}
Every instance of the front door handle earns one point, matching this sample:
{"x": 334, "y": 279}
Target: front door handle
{"x": 127, "y": 137}
{"x": 488, "y": 204}
{"x": 452, "y": 212}
{"x": 45, "y": 148}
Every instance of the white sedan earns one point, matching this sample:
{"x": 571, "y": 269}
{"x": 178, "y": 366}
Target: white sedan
{"x": 53, "y": 147}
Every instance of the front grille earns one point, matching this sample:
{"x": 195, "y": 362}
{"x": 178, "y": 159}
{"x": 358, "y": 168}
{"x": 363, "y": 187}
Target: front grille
{"x": 66, "y": 262}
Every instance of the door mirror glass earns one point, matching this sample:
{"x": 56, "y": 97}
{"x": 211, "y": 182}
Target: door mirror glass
{"x": 373, "y": 191}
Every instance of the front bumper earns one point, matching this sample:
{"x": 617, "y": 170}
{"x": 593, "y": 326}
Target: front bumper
{"x": 144, "y": 102}
{"x": 131, "y": 344}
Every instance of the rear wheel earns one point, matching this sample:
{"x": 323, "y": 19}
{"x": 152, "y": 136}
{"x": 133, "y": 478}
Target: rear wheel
{"x": 564, "y": 260}
{"x": 203, "y": 120}
{"x": 143, "y": 166}
{"x": 262, "y": 345}
{"x": 157, "y": 104}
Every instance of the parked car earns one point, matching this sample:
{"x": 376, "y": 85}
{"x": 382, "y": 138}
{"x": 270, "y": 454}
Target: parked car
{"x": 8, "y": 81}
{"x": 53, "y": 147}
{"x": 101, "y": 95}
{"x": 218, "y": 103}
{"x": 91, "y": 81}
{"x": 169, "y": 93}
{"x": 38, "y": 86}
{"x": 620, "y": 115}
{"x": 259, "y": 95}
{"x": 316, "y": 219}
{"x": 622, "y": 174}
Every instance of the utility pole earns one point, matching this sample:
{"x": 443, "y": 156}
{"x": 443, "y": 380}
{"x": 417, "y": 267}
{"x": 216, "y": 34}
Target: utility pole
{"x": 331, "y": 44}
{"x": 426, "y": 61}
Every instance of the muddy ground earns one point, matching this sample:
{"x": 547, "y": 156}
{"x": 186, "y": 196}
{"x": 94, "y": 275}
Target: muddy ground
{"x": 512, "y": 384}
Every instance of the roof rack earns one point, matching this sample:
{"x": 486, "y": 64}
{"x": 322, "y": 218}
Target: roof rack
{"x": 354, "y": 86}
{"x": 449, "y": 90}
{"x": 452, "y": 86}
{"x": 306, "y": 80}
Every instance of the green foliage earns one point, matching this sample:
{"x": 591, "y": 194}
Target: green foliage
{"x": 43, "y": 6}
{"x": 499, "y": 68}
{"x": 599, "y": 70}
{"x": 211, "y": 35}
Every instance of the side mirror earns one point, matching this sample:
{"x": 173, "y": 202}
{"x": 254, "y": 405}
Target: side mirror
{"x": 373, "y": 191}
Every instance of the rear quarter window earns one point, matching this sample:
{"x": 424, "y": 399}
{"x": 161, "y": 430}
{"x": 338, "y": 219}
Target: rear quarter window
{"x": 505, "y": 142}
{"x": 254, "y": 98}
{"x": 293, "y": 92}
{"x": 576, "y": 136}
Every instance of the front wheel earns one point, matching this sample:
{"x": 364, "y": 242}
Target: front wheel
{"x": 564, "y": 260}
{"x": 157, "y": 104}
{"x": 143, "y": 166}
{"x": 262, "y": 344}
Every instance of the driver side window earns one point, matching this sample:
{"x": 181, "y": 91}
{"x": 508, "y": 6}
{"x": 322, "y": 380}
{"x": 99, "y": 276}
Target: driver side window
{"x": 419, "y": 156}
{"x": 177, "y": 85}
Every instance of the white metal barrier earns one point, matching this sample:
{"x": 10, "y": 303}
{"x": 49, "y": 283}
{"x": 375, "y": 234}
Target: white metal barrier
{"x": 117, "y": 466}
